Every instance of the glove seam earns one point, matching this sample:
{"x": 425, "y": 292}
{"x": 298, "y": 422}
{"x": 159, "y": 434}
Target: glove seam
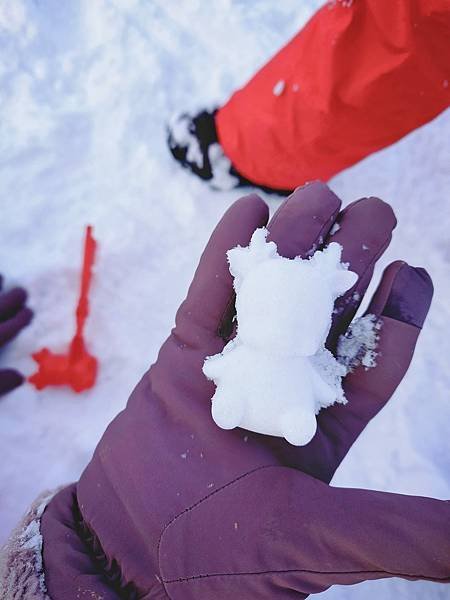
{"x": 195, "y": 505}
{"x": 165, "y": 582}
{"x": 275, "y": 571}
{"x": 326, "y": 225}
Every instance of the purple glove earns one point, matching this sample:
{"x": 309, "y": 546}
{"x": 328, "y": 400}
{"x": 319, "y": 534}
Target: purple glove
{"x": 171, "y": 506}
{"x": 14, "y": 316}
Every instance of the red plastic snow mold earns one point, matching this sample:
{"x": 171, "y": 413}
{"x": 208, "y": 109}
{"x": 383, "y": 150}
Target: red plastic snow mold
{"x": 78, "y": 368}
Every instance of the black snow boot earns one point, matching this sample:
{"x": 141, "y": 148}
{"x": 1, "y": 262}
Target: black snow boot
{"x": 193, "y": 142}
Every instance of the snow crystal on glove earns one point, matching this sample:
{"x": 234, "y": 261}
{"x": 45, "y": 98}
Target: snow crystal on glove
{"x": 357, "y": 346}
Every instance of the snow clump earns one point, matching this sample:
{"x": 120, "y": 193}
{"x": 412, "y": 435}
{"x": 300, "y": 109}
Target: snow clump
{"x": 276, "y": 374}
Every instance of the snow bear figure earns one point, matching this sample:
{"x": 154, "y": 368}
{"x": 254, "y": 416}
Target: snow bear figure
{"x": 275, "y": 375}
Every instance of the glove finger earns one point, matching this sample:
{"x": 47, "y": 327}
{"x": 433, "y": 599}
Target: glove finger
{"x": 404, "y": 294}
{"x": 9, "y": 379}
{"x": 365, "y": 231}
{"x": 13, "y": 326}
{"x": 301, "y": 223}
{"x": 401, "y": 302}
{"x": 372, "y": 535}
{"x": 211, "y": 290}
{"x": 11, "y": 302}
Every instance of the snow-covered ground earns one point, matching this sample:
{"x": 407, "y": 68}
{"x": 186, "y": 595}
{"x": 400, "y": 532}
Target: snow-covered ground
{"x": 85, "y": 90}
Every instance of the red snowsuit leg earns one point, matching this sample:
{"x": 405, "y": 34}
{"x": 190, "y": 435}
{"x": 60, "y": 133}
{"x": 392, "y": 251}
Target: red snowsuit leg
{"x": 359, "y": 76}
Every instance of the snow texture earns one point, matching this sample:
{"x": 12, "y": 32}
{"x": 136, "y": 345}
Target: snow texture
{"x": 335, "y": 228}
{"x": 275, "y": 379}
{"x": 181, "y": 133}
{"x": 21, "y": 565}
{"x": 31, "y": 538}
{"x": 86, "y": 90}
{"x": 222, "y": 178}
{"x": 358, "y": 345}
{"x": 278, "y": 88}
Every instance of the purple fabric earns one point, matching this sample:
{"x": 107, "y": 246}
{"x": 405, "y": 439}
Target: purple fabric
{"x": 14, "y": 316}
{"x": 171, "y": 506}
{"x": 409, "y": 283}
{"x": 9, "y": 379}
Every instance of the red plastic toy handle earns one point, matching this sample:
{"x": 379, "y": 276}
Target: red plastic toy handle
{"x": 77, "y": 368}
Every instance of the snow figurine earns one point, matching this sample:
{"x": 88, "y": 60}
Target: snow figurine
{"x": 276, "y": 375}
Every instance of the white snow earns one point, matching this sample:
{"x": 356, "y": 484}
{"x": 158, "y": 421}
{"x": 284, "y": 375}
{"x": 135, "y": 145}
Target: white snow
{"x": 84, "y": 141}
{"x": 278, "y": 88}
{"x": 276, "y": 375}
{"x": 31, "y": 538}
{"x": 179, "y": 127}
{"x": 222, "y": 179}
{"x": 335, "y": 228}
{"x": 358, "y": 345}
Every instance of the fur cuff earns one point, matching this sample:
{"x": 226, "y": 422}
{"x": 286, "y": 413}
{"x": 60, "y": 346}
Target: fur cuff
{"x": 21, "y": 569}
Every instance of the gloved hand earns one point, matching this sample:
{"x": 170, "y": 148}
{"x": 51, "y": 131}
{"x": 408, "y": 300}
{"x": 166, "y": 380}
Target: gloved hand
{"x": 14, "y": 316}
{"x": 171, "y": 506}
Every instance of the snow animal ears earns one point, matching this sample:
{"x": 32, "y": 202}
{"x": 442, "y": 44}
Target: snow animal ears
{"x": 243, "y": 260}
{"x": 329, "y": 262}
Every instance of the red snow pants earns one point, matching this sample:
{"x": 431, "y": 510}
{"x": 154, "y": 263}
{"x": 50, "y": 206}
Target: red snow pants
{"x": 359, "y": 76}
